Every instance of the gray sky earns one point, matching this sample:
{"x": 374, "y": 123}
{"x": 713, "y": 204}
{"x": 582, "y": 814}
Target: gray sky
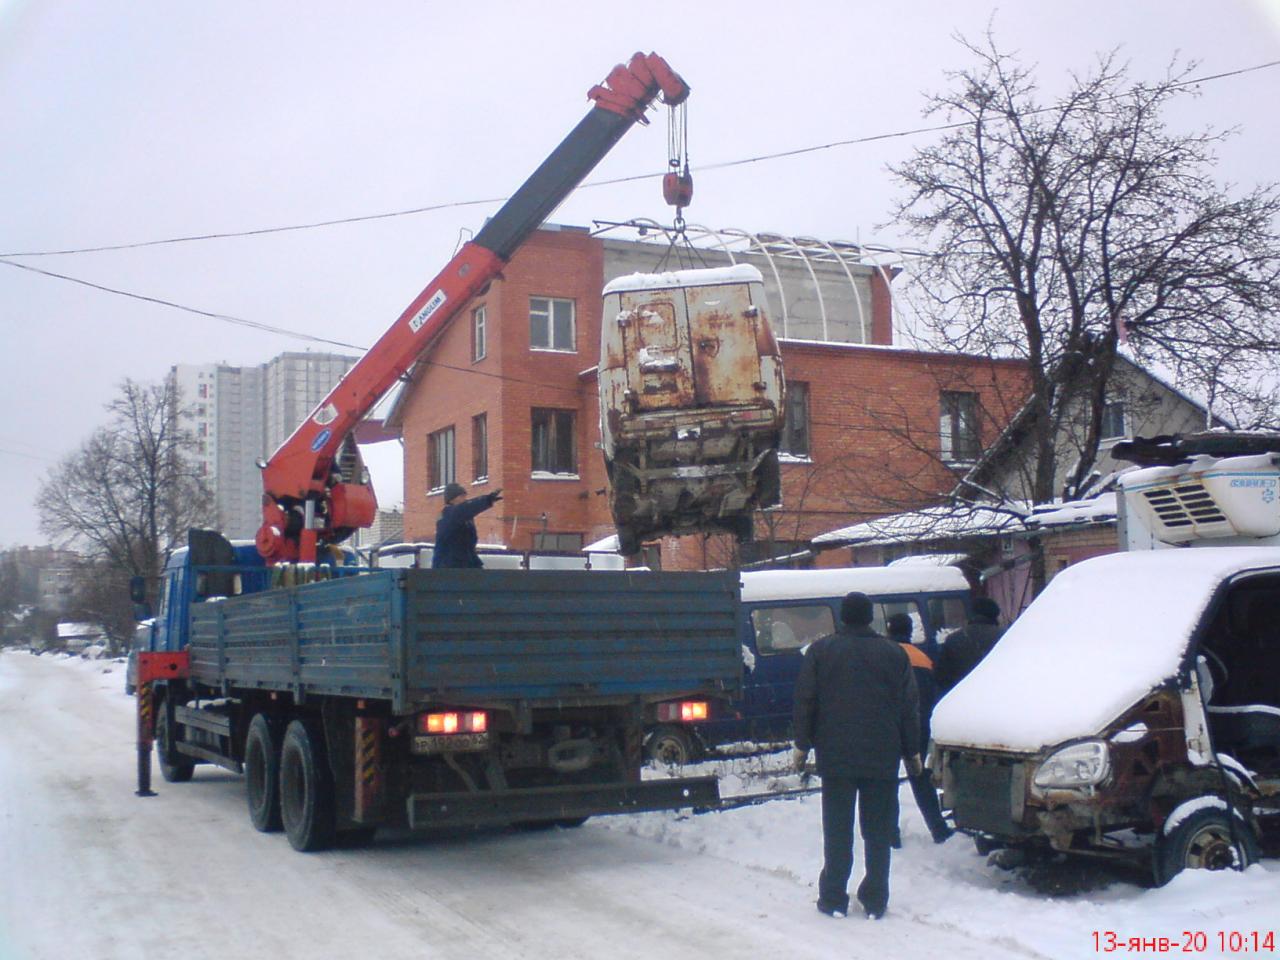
{"x": 148, "y": 120}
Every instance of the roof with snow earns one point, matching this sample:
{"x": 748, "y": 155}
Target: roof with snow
{"x": 72, "y": 631}
{"x": 947, "y": 522}
{"x": 760, "y": 585}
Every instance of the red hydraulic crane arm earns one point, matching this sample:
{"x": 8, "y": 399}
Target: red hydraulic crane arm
{"x": 306, "y": 500}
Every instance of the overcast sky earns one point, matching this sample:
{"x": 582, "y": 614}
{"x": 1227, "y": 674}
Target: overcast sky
{"x": 147, "y": 120}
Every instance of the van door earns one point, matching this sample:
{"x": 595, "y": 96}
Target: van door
{"x": 722, "y": 337}
{"x": 780, "y": 632}
{"x": 655, "y": 339}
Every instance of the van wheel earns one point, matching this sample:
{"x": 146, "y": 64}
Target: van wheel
{"x": 1204, "y": 841}
{"x": 306, "y": 789}
{"x": 671, "y": 747}
{"x": 174, "y": 766}
{"x": 262, "y": 775}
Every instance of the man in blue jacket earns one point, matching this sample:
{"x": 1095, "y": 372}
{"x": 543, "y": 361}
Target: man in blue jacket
{"x": 856, "y": 705}
{"x": 456, "y": 535}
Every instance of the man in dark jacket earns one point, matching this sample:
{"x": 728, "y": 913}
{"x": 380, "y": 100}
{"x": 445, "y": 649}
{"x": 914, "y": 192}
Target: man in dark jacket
{"x": 456, "y": 535}
{"x": 964, "y": 649}
{"x": 856, "y": 705}
{"x": 899, "y": 627}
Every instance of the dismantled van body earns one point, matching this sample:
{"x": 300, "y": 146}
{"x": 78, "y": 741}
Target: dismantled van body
{"x": 691, "y": 402}
{"x": 1140, "y": 693}
{"x": 782, "y": 612}
{"x": 1137, "y": 693}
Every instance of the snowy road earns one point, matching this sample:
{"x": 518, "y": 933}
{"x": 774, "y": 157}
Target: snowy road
{"x": 87, "y": 870}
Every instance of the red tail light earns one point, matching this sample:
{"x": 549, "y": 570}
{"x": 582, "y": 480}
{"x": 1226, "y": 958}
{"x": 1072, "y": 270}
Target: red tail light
{"x": 682, "y": 711}
{"x": 471, "y": 721}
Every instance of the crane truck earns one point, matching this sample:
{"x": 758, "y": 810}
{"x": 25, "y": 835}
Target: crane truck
{"x": 354, "y": 700}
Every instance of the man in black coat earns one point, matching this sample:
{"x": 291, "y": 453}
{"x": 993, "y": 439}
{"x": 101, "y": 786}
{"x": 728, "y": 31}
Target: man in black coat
{"x": 456, "y": 535}
{"x": 964, "y": 649}
{"x": 856, "y": 705}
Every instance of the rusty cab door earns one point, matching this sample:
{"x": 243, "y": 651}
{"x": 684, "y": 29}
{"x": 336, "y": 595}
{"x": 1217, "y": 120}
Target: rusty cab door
{"x": 726, "y": 356}
{"x": 655, "y": 335}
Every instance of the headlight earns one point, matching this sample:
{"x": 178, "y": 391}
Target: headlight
{"x": 1079, "y": 765}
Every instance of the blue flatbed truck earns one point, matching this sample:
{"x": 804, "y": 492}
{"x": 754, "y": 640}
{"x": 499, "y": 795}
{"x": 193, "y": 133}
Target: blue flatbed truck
{"x": 428, "y": 698}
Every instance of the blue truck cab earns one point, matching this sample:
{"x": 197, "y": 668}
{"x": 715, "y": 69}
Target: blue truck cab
{"x": 782, "y": 612}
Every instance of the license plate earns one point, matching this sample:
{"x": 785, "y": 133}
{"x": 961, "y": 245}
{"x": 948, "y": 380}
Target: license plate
{"x": 451, "y": 743}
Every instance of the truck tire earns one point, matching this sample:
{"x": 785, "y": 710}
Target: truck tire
{"x": 174, "y": 767}
{"x": 306, "y": 788}
{"x": 1204, "y": 841}
{"x": 672, "y": 747}
{"x": 262, "y": 775}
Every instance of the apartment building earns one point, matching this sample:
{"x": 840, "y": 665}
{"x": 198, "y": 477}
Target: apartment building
{"x": 238, "y": 415}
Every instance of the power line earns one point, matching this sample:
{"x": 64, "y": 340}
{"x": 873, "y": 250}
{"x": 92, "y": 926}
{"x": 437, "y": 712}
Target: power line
{"x": 723, "y": 165}
{"x": 226, "y": 318}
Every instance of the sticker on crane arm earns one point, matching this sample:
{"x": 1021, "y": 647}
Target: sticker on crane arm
{"x": 325, "y": 415}
{"x": 321, "y": 439}
{"x": 430, "y": 307}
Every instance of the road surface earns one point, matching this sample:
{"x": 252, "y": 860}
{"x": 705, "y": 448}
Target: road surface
{"x": 88, "y": 870}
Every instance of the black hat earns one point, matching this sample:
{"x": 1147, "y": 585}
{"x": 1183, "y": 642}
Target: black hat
{"x": 899, "y": 625}
{"x": 984, "y": 608}
{"x": 452, "y": 491}
{"x": 855, "y": 609}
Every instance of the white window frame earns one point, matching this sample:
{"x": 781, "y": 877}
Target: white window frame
{"x": 447, "y": 458}
{"x": 951, "y": 424}
{"x": 1103, "y": 436}
{"x": 538, "y": 473}
{"x": 480, "y": 419}
{"x": 542, "y": 310}
{"x": 479, "y": 334}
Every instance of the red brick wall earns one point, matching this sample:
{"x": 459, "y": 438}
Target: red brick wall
{"x": 873, "y": 432}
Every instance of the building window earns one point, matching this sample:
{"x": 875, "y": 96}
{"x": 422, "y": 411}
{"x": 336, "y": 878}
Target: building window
{"x": 440, "y": 460}
{"x": 479, "y": 335}
{"x": 795, "y": 427}
{"x": 958, "y": 427}
{"x": 1113, "y": 422}
{"x": 554, "y": 442}
{"x": 551, "y": 324}
{"x": 570, "y": 543}
{"x": 480, "y": 447}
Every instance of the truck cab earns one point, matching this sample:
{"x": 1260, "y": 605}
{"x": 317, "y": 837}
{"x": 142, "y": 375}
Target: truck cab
{"x": 691, "y": 402}
{"x": 1133, "y": 710}
{"x": 782, "y": 612}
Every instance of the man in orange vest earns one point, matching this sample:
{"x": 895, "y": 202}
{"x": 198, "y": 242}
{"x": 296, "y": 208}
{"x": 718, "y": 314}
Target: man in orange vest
{"x": 899, "y": 627}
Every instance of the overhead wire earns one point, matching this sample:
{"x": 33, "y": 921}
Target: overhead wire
{"x": 722, "y": 165}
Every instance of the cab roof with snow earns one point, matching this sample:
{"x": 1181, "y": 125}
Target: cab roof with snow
{"x": 1104, "y": 634}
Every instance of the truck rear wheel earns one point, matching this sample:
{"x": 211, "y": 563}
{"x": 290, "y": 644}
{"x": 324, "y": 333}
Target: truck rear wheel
{"x": 262, "y": 775}
{"x": 174, "y": 767}
{"x": 306, "y": 788}
{"x": 671, "y": 746}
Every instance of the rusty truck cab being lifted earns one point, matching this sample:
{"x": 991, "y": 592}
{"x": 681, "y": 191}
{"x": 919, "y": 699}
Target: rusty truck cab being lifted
{"x": 691, "y": 402}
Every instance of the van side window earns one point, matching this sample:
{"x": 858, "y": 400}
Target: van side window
{"x": 781, "y": 629}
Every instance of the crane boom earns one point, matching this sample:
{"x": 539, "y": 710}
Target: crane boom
{"x": 307, "y": 501}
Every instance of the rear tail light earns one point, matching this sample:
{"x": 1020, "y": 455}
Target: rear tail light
{"x": 470, "y": 721}
{"x": 682, "y": 711}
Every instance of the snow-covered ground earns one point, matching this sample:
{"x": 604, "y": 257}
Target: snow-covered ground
{"x": 87, "y": 870}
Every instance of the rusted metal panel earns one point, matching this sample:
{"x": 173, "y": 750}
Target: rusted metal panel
{"x": 655, "y": 335}
{"x": 722, "y": 335}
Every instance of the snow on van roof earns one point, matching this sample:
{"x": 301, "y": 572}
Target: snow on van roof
{"x": 1104, "y": 633}
{"x": 810, "y": 584}
{"x": 738, "y": 273}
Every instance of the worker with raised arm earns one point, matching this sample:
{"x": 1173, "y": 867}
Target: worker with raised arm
{"x": 456, "y": 535}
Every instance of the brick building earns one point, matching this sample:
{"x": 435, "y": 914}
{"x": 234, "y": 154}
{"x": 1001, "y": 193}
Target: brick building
{"x": 506, "y": 397}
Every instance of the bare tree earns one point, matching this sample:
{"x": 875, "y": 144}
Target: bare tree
{"x": 1061, "y": 230}
{"x": 129, "y": 494}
